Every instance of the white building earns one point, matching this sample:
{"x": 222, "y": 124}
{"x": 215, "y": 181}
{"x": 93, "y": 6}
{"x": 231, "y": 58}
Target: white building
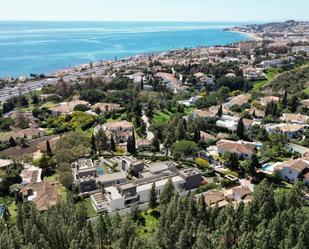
{"x": 125, "y": 195}
{"x": 294, "y": 170}
{"x": 228, "y": 122}
{"x": 289, "y": 130}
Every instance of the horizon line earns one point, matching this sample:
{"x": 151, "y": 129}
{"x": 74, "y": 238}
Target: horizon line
{"x": 113, "y": 20}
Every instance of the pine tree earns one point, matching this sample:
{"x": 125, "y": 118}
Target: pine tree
{"x": 254, "y": 164}
{"x": 142, "y": 83}
{"x": 153, "y": 197}
{"x": 102, "y": 141}
{"x": 294, "y": 104}
{"x": 133, "y": 143}
{"x": 285, "y": 99}
{"x": 167, "y": 192}
{"x": 197, "y": 135}
{"x": 12, "y": 142}
{"x": 180, "y": 131}
{"x": 48, "y": 149}
{"x": 93, "y": 144}
{"x": 113, "y": 145}
{"x": 100, "y": 231}
{"x": 275, "y": 110}
{"x": 220, "y": 111}
{"x": 155, "y": 144}
{"x": 240, "y": 129}
{"x": 202, "y": 241}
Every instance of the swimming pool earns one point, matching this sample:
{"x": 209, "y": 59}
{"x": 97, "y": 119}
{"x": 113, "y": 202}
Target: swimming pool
{"x": 268, "y": 167}
{"x": 1, "y": 210}
{"x": 100, "y": 171}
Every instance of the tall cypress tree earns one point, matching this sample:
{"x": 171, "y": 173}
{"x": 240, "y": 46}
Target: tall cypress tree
{"x": 155, "y": 144}
{"x": 133, "y": 143}
{"x": 153, "y": 197}
{"x": 220, "y": 111}
{"x": 240, "y": 129}
{"x": 180, "y": 131}
{"x": 167, "y": 192}
{"x": 113, "y": 145}
{"x": 197, "y": 135}
{"x": 48, "y": 149}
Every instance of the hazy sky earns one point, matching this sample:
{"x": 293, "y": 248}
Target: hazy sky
{"x": 155, "y": 10}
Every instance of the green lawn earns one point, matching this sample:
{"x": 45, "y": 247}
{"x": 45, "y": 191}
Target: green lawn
{"x": 161, "y": 117}
{"x": 306, "y": 91}
{"x": 13, "y": 212}
{"x": 150, "y": 218}
{"x": 11, "y": 205}
{"x": 90, "y": 210}
{"x": 270, "y": 75}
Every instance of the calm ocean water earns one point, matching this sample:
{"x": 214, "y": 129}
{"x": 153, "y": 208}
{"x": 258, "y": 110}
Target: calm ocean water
{"x": 42, "y": 47}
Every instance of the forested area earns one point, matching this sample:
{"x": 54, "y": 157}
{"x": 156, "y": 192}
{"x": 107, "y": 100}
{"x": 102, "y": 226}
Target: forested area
{"x": 275, "y": 219}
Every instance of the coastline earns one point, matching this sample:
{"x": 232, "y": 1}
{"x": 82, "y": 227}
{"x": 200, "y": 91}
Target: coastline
{"x": 252, "y": 36}
{"x": 156, "y": 51}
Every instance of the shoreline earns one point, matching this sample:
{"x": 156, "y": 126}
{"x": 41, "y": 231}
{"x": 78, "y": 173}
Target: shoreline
{"x": 253, "y": 36}
{"x": 103, "y": 62}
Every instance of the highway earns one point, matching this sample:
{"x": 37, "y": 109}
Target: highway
{"x": 8, "y": 92}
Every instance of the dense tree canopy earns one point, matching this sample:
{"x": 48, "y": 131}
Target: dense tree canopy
{"x": 273, "y": 220}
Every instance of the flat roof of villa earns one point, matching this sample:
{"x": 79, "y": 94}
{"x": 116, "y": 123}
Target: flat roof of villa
{"x": 111, "y": 177}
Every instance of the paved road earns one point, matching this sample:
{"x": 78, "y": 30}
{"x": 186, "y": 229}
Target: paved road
{"x": 8, "y": 92}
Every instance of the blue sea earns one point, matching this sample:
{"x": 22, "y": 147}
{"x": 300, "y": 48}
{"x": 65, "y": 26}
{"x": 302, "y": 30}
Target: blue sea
{"x": 43, "y": 47}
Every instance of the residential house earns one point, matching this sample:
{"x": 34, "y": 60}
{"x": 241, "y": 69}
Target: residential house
{"x": 228, "y": 122}
{"x": 29, "y": 133}
{"x": 153, "y": 169}
{"x": 121, "y": 130}
{"x": 105, "y": 107}
{"x": 238, "y": 100}
{"x": 254, "y": 74}
{"x": 206, "y": 137}
{"x": 190, "y": 102}
{"x": 143, "y": 144}
{"x": 22, "y": 118}
{"x": 239, "y": 194}
{"x": 294, "y": 170}
{"x": 52, "y": 143}
{"x": 4, "y": 164}
{"x": 305, "y": 103}
{"x": 171, "y": 82}
{"x": 294, "y": 118}
{"x": 197, "y": 113}
{"x": 43, "y": 194}
{"x": 30, "y": 174}
{"x": 268, "y": 99}
{"x": 300, "y": 49}
{"x": 248, "y": 123}
{"x": 84, "y": 174}
{"x": 289, "y": 130}
{"x": 242, "y": 149}
{"x": 109, "y": 180}
{"x": 67, "y": 107}
{"x": 215, "y": 198}
{"x": 135, "y": 192}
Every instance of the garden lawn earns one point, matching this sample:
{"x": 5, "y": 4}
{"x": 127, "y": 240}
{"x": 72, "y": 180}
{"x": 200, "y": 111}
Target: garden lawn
{"x": 270, "y": 75}
{"x": 90, "y": 210}
{"x": 162, "y": 117}
{"x": 151, "y": 218}
{"x": 306, "y": 91}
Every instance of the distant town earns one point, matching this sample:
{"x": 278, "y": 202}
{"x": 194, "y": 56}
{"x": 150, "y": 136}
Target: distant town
{"x": 209, "y": 122}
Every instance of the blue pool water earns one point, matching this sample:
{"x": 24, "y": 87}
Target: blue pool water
{"x": 267, "y": 167}
{"x": 100, "y": 171}
{"x": 1, "y": 210}
{"x": 42, "y": 47}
